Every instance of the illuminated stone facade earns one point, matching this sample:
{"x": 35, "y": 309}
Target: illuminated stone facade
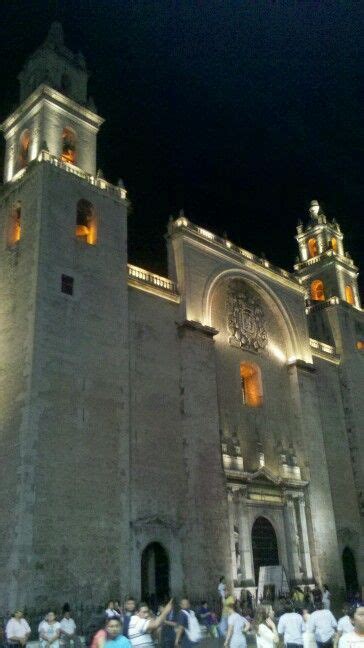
{"x": 126, "y": 413}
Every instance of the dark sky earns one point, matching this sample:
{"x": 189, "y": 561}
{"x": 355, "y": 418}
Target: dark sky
{"x": 239, "y": 112}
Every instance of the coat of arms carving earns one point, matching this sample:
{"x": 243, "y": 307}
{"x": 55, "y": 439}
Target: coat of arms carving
{"x": 245, "y": 321}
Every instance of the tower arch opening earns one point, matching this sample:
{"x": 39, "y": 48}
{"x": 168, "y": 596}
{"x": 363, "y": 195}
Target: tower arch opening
{"x": 86, "y": 225}
{"x": 69, "y": 141}
{"x": 155, "y": 574}
{"x": 24, "y": 149}
{"x": 317, "y": 290}
{"x": 312, "y": 247}
{"x": 349, "y": 294}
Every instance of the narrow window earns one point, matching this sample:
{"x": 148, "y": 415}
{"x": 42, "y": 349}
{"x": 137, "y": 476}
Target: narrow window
{"x": 68, "y": 146}
{"x": 317, "y": 290}
{"x": 360, "y": 345}
{"x": 312, "y": 247}
{"x": 349, "y": 295}
{"x": 67, "y": 284}
{"x": 251, "y": 384}
{"x": 86, "y": 227}
{"x": 334, "y": 244}
{"x": 24, "y": 149}
{"x": 14, "y": 227}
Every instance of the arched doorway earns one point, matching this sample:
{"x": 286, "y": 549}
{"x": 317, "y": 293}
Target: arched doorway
{"x": 154, "y": 574}
{"x": 264, "y": 543}
{"x": 350, "y": 573}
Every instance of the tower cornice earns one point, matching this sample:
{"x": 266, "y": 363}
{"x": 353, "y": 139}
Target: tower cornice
{"x": 43, "y": 94}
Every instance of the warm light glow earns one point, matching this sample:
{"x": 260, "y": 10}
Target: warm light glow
{"x": 312, "y": 247}
{"x": 334, "y": 244}
{"x": 251, "y": 384}
{"x": 360, "y": 345}
{"x": 68, "y": 146}
{"x": 317, "y": 290}
{"x": 14, "y": 230}
{"x": 349, "y": 295}
{"x": 86, "y": 226}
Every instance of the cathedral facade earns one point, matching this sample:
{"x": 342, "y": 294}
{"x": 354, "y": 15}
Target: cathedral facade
{"x": 159, "y": 432}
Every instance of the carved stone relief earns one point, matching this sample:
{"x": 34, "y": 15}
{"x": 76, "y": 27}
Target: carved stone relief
{"x": 245, "y": 320}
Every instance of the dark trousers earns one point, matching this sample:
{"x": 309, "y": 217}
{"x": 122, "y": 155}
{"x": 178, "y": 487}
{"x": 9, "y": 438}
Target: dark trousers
{"x": 325, "y": 644}
{"x": 293, "y": 645}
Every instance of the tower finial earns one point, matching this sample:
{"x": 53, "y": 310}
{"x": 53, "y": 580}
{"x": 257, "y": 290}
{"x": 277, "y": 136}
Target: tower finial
{"x": 55, "y": 34}
{"x": 314, "y": 209}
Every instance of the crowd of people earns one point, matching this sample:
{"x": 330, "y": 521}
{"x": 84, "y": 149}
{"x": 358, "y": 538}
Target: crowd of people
{"x": 293, "y": 622}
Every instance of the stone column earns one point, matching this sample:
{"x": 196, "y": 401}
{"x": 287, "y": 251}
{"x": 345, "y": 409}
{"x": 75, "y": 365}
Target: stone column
{"x": 232, "y": 533}
{"x": 306, "y": 556}
{"x": 245, "y": 543}
{"x": 292, "y": 539}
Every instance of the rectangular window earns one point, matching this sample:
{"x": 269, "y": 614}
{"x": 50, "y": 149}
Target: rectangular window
{"x": 67, "y": 284}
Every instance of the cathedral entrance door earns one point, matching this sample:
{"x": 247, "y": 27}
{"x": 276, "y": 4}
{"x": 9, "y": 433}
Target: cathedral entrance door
{"x": 154, "y": 574}
{"x": 350, "y": 573}
{"x": 264, "y": 543}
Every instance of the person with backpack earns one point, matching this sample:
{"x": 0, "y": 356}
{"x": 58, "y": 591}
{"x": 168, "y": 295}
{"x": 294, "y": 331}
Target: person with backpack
{"x": 188, "y": 633}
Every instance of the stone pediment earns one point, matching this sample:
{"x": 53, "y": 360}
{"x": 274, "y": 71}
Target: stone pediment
{"x": 264, "y": 474}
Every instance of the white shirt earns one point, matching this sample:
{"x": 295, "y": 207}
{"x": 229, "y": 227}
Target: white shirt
{"x": 138, "y": 631}
{"x": 68, "y": 626}
{"x": 344, "y": 624}
{"x": 265, "y": 637}
{"x": 222, "y": 589}
{"x": 323, "y": 624}
{"x": 238, "y": 623}
{"x": 352, "y": 640}
{"x": 291, "y": 626}
{"x": 17, "y": 628}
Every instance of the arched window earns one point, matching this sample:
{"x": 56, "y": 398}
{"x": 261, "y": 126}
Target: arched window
{"x": 24, "y": 149}
{"x": 86, "y": 226}
{"x": 264, "y": 544}
{"x": 317, "y": 290}
{"x": 312, "y": 247}
{"x": 349, "y": 295}
{"x": 68, "y": 146}
{"x": 154, "y": 574}
{"x": 334, "y": 243}
{"x": 14, "y": 227}
{"x": 251, "y": 384}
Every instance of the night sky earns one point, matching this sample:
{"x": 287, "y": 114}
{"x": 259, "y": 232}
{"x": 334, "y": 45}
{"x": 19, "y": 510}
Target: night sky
{"x": 238, "y": 112}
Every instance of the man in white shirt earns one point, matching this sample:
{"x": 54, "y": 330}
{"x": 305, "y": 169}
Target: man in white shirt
{"x": 344, "y": 624}
{"x": 291, "y": 626}
{"x": 17, "y": 630}
{"x": 142, "y": 625}
{"x": 68, "y": 631}
{"x": 323, "y": 625}
{"x": 355, "y": 639}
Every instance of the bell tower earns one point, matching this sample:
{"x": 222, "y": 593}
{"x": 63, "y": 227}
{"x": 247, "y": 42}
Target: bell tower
{"x": 64, "y": 427}
{"x": 55, "y": 113}
{"x": 325, "y": 268}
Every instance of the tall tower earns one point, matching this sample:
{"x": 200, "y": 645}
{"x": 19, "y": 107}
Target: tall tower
{"x": 63, "y": 345}
{"x": 324, "y": 268}
{"x": 335, "y": 317}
